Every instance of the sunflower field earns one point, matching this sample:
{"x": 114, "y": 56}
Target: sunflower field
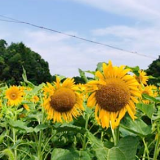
{"x": 115, "y": 115}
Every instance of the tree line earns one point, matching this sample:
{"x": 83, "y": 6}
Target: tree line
{"x": 16, "y": 56}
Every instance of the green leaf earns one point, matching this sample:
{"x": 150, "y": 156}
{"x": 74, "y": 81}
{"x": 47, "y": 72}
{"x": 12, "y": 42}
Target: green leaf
{"x": 152, "y": 77}
{"x": 96, "y": 143}
{"x": 40, "y": 127}
{"x": 91, "y": 72}
{"x": 24, "y": 76}
{"x": 61, "y": 77}
{"x": 98, "y": 147}
{"x": 36, "y": 89}
{"x": 99, "y": 66}
{"x": 137, "y": 126}
{"x": 158, "y": 98}
{"x": 148, "y": 109}
{"x": 21, "y": 125}
{"x": 37, "y": 116}
{"x": 125, "y": 150}
{"x": 8, "y": 152}
{"x": 63, "y": 154}
{"x": 146, "y": 96}
{"x": 101, "y": 153}
{"x": 108, "y": 144}
{"x": 125, "y": 132}
{"x": 135, "y": 69}
{"x": 82, "y": 74}
{"x": 69, "y": 127}
{"x": 115, "y": 154}
{"x": 2, "y": 137}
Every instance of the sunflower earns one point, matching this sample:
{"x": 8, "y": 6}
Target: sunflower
{"x": 113, "y": 94}
{"x": 25, "y": 89}
{"x": 63, "y": 101}
{"x": 142, "y": 78}
{"x": 150, "y": 90}
{"x": 14, "y": 95}
{"x": 26, "y": 107}
{"x": 35, "y": 99}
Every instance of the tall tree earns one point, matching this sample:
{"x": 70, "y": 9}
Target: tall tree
{"x": 16, "y": 56}
{"x": 3, "y": 45}
{"x": 154, "y": 70}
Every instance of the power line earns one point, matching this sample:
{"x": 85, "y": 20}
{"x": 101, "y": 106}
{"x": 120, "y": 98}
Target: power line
{"x": 6, "y": 20}
{"x": 9, "y": 19}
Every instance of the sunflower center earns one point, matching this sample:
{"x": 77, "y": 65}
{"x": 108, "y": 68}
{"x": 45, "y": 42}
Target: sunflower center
{"x": 113, "y": 96}
{"x": 13, "y": 96}
{"x": 63, "y": 100}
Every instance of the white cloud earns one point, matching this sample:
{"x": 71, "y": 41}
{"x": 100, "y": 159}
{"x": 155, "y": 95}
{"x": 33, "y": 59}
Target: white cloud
{"x": 65, "y": 55}
{"x": 141, "y": 9}
{"x": 132, "y": 38}
{"x": 44, "y": 37}
{"x": 65, "y": 58}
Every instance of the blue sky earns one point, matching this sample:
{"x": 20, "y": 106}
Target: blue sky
{"x": 127, "y": 24}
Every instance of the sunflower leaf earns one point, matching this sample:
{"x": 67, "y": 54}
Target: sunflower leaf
{"x": 8, "y": 152}
{"x": 21, "y": 126}
{"x": 135, "y": 69}
{"x": 24, "y": 76}
{"x": 99, "y": 66}
{"x": 69, "y": 127}
{"x": 137, "y": 126}
{"x": 98, "y": 147}
{"x": 40, "y": 127}
{"x": 146, "y": 96}
{"x": 63, "y": 154}
{"x": 125, "y": 150}
{"x": 82, "y": 74}
{"x": 148, "y": 109}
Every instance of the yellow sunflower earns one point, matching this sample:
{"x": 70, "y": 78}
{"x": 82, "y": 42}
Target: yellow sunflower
{"x": 26, "y": 107}
{"x": 142, "y": 78}
{"x": 14, "y": 95}
{"x": 24, "y": 89}
{"x": 35, "y": 99}
{"x": 150, "y": 90}
{"x": 114, "y": 93}
{"x": 63, "y": 101}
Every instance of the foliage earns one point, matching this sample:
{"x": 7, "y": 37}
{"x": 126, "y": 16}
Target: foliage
{"x": 154, "y": 71}
{"x": 16, "y": 56}
{"x": 28, "y": 134}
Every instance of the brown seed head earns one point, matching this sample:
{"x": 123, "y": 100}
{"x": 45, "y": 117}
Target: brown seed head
{"x": 113, "y": 96}
{"x": 63, "y": 100}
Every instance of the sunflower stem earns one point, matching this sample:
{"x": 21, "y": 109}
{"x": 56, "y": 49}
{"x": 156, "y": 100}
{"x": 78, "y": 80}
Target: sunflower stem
{"x": 40, "y": 152}
{"x": 86, "y": 128}
{"x": 102, "y": 134}
{"x": 14, "y": 142}
{"x": 156, "y": 150}
{"x": 15, "y": 137}
{"x": 39, "y": 146}
{"x": 146, "y": 151}
{"x": 115, "y": 134}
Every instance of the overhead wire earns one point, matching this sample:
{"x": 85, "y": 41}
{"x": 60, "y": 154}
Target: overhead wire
{"x": 6, "y": 20}
{"x": 9, "y": 19}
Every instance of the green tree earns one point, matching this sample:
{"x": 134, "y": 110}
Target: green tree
{"x": 16, "y": 56}
{"x": 154, "y": 70}
{"x": 3, "y": 45}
